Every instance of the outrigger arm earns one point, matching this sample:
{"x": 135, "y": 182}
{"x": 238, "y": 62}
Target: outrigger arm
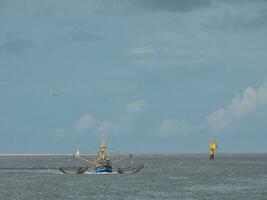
{"x": 122, "y": 159}
{"x": 84, "y": 159}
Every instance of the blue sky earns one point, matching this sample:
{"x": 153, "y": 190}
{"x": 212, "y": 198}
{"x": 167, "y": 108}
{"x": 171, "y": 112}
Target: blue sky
{"x": 149, "y": 76}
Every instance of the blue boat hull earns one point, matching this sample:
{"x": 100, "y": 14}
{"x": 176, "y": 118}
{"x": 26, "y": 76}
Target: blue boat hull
{"x": 103, "y": 168}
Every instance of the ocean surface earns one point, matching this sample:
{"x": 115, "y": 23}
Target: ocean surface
{"x": 182, "y": 176}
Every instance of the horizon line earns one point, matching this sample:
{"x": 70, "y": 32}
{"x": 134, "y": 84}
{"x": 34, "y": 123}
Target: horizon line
{"x": 137, "y": 154}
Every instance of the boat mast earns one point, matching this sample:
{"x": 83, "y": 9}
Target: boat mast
{"x": 102, "y": 154}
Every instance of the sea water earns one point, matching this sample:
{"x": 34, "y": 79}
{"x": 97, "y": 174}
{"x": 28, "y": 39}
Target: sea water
{"x": 182, "y": 176}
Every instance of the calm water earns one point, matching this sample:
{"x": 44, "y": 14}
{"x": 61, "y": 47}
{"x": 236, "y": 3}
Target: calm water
{"x": 187, "y": 176}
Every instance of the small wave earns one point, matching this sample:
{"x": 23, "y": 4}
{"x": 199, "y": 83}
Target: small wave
{"x": 30, "y": 170}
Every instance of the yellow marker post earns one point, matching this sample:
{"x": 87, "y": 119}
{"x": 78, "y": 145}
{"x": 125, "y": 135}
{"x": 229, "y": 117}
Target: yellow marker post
{"x": 213, "y": 147}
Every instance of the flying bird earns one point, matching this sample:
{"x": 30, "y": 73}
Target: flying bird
{"x": 55, "y": 94}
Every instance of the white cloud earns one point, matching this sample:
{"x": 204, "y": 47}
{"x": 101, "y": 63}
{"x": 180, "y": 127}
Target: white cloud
{"x": 250, "y": 100}
{"x": 122, "y": 124}
{"x": 135, "y": 106}
{"x": 215, "y": 116}
{"x": 139, "y": 50}
{"x": 144, "y": 50}
{"x": 84, "y": 123}
{"x": 107, "y": 127}
{"x": 240, "y": 106}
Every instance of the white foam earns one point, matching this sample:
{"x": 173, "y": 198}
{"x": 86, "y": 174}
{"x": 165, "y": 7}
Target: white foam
{"x": 101, "y": 173}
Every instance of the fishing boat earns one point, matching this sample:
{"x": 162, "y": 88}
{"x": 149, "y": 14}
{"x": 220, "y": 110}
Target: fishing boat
{"x": 103, "y": 163}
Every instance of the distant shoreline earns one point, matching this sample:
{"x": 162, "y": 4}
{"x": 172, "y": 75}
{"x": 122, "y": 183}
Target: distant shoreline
{"x": 135, "y": 154}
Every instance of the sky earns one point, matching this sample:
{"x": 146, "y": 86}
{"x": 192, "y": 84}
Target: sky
{"x": 148, "y": 76}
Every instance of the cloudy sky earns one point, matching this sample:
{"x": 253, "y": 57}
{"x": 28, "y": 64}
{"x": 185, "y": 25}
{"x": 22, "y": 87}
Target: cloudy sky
{"x": 147, "y": 75}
